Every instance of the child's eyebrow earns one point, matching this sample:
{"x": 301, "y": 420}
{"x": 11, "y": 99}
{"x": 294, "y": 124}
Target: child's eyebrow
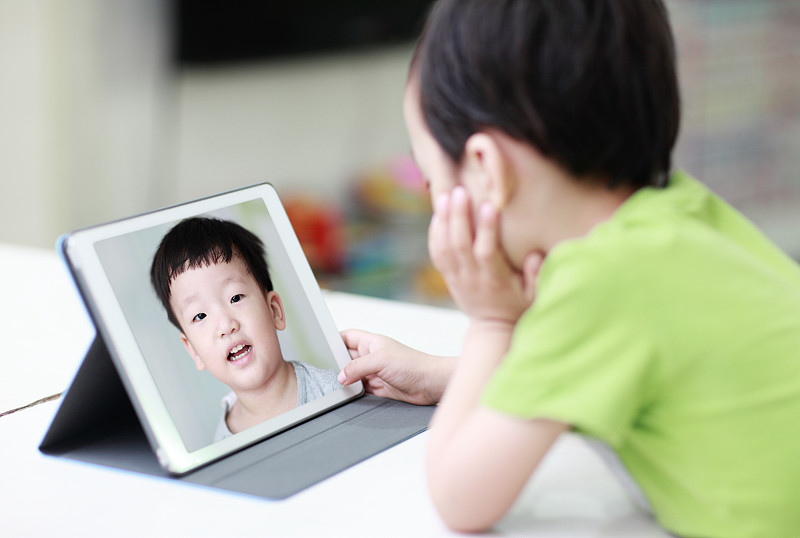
{"x": 187, "y": 302}
{"x": 234, "y": 279}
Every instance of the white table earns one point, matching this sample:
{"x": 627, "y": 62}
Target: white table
{"x": 44, "y": 333}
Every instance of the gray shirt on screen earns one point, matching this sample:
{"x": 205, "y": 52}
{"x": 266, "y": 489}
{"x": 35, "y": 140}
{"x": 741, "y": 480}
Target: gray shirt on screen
{"x": 312, "y": 383}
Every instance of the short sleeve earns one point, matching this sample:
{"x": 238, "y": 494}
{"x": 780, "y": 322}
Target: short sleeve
{"x": 313, "y": 382}
{"x": 581, "y": 354}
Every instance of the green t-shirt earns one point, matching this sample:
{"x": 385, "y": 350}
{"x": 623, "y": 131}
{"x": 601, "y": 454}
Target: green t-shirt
{"x": 672, "y": 333}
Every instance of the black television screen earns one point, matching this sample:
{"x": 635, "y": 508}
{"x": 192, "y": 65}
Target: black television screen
{"x": 218, "y": 32}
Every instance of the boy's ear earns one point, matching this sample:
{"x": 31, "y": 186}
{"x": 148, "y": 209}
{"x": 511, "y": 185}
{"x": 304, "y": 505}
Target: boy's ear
{"x": 276, "y": 307}
{"x": 199, "y": 364}
{"x": 487, "y": 164}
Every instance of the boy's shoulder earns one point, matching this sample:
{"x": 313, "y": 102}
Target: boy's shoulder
{"x": 661, "y": 222}
{"x": 313, "y": 382}
{"x": 664, "y": 238}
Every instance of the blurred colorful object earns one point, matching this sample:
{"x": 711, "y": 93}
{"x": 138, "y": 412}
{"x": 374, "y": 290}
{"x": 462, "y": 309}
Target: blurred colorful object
{"x": 376, "y": 244}
{"x": 396, "y": 187}
{"x": 320, "y": 230}
{"x": 387, "y": 248}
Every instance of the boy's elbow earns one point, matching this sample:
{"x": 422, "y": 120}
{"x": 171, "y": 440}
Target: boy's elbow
{"x": 464, "y": 509}
{"x": 468, "y": 524}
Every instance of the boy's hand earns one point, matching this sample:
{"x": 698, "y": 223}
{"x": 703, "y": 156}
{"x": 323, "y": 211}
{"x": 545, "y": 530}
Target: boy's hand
{"x": 477, "y": 272}
{"x": 392, "y": 370}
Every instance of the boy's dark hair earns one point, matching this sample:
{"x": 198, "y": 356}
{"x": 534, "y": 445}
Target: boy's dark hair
{"x": 201, "y": 241}
{"x": 590, "y": 83}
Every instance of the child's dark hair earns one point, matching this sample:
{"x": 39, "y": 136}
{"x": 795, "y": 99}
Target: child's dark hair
{"x": 201, "y": 241}
{"x": 590, "y": 83}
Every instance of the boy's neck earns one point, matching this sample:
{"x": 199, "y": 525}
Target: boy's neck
{"x": 548, "y": 204}
{"x": 589, "y": 205}
{"x": 561, "y": 205}
{"x": 276, "y": 396}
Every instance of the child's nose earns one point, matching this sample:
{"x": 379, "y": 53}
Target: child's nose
{"x": 227, "y": 326}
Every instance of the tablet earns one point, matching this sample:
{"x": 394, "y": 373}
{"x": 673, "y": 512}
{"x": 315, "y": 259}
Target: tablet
{"x": 179, "y": 401}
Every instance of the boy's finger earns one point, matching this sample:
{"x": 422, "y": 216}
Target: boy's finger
{"x": 487, "y": 234}
{"x": 358, "y": 369}
{"x": 355, "y": 341}
{"x": 460, "y": 227}
{"x": 438, "y": 242}
{"x": 530, "y": 271}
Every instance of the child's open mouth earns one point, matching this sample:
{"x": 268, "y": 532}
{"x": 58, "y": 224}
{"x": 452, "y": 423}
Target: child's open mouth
{"x": 239, "y": 352}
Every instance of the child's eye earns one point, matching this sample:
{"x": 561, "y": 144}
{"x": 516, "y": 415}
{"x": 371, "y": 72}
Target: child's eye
{"x": 199, "y": 317}
{"x": 236, "y": 298}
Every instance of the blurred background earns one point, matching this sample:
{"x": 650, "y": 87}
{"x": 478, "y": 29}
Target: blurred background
{"x": 114, "y": 107}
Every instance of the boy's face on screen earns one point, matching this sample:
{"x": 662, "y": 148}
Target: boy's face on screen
{"x": 229, "y": 324}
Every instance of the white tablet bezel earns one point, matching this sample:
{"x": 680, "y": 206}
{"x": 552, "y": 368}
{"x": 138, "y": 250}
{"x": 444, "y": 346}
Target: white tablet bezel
{"x": 80, "y": 253}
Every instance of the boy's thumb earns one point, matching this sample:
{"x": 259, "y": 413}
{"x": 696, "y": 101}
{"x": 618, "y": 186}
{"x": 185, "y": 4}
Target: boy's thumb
{"x": 343, "y": 378}
{"x": 350, "y": 373}
{"x": 358, "y": 369}
{"x": 530, "y": 270}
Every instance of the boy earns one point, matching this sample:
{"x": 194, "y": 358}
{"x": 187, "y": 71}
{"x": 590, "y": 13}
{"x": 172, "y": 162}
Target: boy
{"x": 212, "y": 278}
{"x": 607, "y": 294}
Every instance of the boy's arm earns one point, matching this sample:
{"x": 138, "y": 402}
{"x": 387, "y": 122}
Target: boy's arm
{"x": 479, "y": 459}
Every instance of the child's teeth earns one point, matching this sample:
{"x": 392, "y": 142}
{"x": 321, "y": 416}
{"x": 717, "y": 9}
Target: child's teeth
{"x": 238, "y": 352}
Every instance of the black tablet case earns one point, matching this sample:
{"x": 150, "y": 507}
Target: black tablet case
{"x": 96, "y": 423}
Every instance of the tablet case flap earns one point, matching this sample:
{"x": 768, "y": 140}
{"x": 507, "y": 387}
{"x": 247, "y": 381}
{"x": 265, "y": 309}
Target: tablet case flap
{"x": 96, "y": 423}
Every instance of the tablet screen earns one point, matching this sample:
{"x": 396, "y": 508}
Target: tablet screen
{"x": 241, "y": 359}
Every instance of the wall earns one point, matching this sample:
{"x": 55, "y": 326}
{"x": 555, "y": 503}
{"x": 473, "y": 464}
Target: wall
{"x": 84, "y": 87}
{"x": 97, "y": 126}
{"x": 739, "y": 62}
{"x": 309, "y": 124}
{"x": 26, "y": 160}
